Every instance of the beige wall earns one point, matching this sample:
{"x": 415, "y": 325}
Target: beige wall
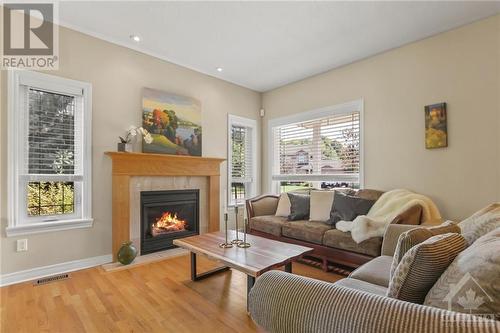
{"x": 117, "y": 75}
{"x": 459, "y": 67}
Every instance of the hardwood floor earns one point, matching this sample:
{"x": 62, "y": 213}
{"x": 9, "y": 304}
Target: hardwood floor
{"x": 157, "y": 297}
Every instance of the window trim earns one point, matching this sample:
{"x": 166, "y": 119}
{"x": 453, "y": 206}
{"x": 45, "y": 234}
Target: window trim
{"x": 244, "y": 122}
{"x": 348, "y": 107}
{"x": 16, "y": 78}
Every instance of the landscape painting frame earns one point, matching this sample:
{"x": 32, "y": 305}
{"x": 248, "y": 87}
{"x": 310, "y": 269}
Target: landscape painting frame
{"x": 173, "y": 121}
{"x": 436, "y": 126}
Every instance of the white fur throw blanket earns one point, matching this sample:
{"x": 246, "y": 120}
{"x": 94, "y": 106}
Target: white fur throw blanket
{"x": 385, "y": 209}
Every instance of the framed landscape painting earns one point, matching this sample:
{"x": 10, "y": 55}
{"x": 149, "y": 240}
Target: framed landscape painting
{"x": 436, "y": 129}
{"x": 174, "y": 123}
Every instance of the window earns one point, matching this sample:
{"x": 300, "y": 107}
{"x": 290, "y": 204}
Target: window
{"x": 321, "y": 148}
{"x": 242, "y": 159}
{"x": 49, "y": 153}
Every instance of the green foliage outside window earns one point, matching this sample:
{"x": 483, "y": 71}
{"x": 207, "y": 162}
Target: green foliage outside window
{"x": 294, "y": 186}
{"x": 50, "y": 198}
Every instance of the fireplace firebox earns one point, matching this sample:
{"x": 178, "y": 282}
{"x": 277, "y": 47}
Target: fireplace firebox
{"x": 167, "y": 215}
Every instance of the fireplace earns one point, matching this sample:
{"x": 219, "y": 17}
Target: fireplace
{"x": 167, "y": 215}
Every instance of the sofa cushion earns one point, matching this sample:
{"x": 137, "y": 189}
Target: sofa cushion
{"x": 481, "y": 222}
{"x": 413, "y": 216}
{"x": 422, "y": 266}
{"x": 391, "y": 236}
{"x": 264, "y": 206}
{"x": 268, "y": 223}
{"x": 362, "y": 286}
{"x": 308, "y": 231}
{"x": 346, "y": 207}
{"x": 376, "y": 271}
{"x": 476, "y": 272}
{"x": 369, "y": 194}
{"x": 283, "y": 208}
{"x": 321, "y": 205}
{"x": 299, "y": 206}
{"x": 343, "y": 240}
{"x": 410, "y": 238}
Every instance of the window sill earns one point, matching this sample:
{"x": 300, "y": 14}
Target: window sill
{"x": 241, "y": 205}
{"x": 48, "y": 227}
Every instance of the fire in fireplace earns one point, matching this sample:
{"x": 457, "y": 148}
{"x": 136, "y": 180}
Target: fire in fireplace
{"x": 168, "y": 222}
{"x": 167, "y": 215}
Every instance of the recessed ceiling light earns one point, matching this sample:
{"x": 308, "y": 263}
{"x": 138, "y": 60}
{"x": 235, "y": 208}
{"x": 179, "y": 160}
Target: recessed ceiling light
{"x": 135, "y": 38}
{"x": 219, "y": 69}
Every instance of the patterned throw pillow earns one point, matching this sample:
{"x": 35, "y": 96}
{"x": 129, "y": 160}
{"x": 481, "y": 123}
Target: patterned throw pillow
{"x": 481, "y": 222}
{"x": 299, "y": 206}
{"x": 422, "y": 266}
{"x": 410, "y": 238}
{"x": 472, "y": 282}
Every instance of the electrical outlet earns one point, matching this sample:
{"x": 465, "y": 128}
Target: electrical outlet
{"x": 22, "y": 245}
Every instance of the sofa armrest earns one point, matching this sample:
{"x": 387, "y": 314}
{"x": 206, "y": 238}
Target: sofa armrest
{"x": 412, "y": 215}
{"x": 391, "y": 237}
{"x": 282, "y": 302}
{"x": 262, "y": 205}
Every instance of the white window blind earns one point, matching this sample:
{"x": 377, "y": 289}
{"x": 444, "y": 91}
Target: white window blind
{"x": 53, "y": 138}
{"x": 325, "y": 149}
{"x": 242, "y": 159}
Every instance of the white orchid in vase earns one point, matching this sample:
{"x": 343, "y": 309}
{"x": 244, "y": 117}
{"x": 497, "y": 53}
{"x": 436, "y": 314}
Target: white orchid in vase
{"x": 133, "y": 131}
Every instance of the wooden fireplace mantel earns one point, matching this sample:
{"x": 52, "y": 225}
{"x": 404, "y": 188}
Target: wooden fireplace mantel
{"x": 126, "y": 165}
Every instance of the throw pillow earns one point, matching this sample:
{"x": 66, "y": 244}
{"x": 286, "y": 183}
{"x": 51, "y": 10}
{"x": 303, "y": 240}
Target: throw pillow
{"x": 422, "y": 266}
{"x": 481, "y": 222}
{"x": 321, "y": 205}
{"x": 283, "y": 208}
{"x": 347, "y": 208}
{"x": 299, "y": 206}
{"x": 410, "y": 238}
{"x": 472, "y": 282}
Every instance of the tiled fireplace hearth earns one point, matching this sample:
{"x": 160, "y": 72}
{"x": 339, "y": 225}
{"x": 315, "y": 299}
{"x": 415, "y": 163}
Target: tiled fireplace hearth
{"x": 159, "y": 197}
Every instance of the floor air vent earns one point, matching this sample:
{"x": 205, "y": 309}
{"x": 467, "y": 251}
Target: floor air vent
{"x": 50, "y": 279}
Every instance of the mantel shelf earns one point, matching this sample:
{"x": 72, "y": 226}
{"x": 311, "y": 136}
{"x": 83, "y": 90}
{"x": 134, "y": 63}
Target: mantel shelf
{"x": 142, "y": 164}
{"x": 131, "y": 156}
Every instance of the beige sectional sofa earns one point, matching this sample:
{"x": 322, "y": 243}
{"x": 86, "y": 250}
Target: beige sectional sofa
{"x": 283, "y": 302}
{"x": 330, "y": 244}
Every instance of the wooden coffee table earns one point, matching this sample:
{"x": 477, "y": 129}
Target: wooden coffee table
{"x": 263, "y": 255}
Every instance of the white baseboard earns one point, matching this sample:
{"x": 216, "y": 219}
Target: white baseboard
{"x": 39, "y": 272}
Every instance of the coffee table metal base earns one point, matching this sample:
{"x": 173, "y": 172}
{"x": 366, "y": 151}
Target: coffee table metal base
{"x": 250, "y": 279}
{"x": 196, "y": 277}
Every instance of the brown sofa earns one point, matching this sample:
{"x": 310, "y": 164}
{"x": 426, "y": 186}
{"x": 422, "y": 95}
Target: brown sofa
{"x": 330, "y": 244}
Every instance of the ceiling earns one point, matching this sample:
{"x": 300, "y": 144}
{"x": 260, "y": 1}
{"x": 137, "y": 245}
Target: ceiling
{"x": 265, "y": 45}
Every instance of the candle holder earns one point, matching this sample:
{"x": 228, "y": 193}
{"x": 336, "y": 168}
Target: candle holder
{"x": 236, "y": 240}
{"x": 226, "y": 243}
{"x": 243, "y": 244}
